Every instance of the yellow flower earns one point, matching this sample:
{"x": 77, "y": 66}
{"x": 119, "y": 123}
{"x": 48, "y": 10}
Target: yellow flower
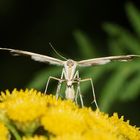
{"x": 61, "y": 120}
{"x": 124, "y": 129}
{"x": 35, "y": 138}
{"x": 53, "y": 102}
{"x": 89, "y": 135}
{"x": 4, "y": 133}
{"x": 85, "y": 124}
{"x": 97, "y": 120}
{"x": 23, "y": 106}
{"x": 31, "y": 110}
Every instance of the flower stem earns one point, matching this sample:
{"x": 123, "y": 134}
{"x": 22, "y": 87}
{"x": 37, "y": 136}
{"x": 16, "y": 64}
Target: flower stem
{"x": 13, "y": 131}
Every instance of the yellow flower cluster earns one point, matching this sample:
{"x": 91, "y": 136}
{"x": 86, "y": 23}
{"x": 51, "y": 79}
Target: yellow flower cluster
{"x": 42, "y": 117}
{"x": 23, "y": 106}
{"x": 4, "y": 133}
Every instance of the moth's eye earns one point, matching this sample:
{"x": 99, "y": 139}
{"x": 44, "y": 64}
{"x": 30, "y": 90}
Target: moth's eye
{"x": 70, "y": 63}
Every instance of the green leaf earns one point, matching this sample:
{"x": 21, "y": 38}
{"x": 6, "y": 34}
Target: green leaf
{"x": 134, "y": 17}
{"x": 131, "y": 90}
{"x": 112, "y": 29}
{"x": 126, "y": 40}
{"x": 111, "y": 90}
{"x": 86, "y": 47}
{"x": 115, "y": 47}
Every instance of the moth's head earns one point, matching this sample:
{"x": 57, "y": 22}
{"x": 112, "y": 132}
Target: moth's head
{"x": 70, "y": 63}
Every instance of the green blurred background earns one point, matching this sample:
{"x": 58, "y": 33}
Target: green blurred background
{"x": 79, "y": 30}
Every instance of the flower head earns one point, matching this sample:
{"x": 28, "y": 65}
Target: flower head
{"x": 23, "y": 106}
{"x": 124, "y": 129}
{"x": 61, "y": 120}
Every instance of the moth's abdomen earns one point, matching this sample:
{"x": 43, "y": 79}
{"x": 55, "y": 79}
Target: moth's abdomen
{"x": 69, "y": 93}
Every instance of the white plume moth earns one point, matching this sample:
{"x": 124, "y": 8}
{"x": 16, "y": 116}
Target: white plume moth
{"x": 69, "y": 73}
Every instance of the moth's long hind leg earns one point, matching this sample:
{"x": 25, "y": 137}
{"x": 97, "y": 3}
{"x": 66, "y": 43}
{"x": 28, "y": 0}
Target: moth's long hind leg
{"x": 58, "y": 86}
{"x": 94, "y": 97}
{"x": 46, "y": 88}
{"x": 93, "y": 91}
{"x": 78, "y": 92}
{"x": 60, "y": 80}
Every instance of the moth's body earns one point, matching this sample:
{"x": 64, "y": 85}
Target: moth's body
{"x": 69, "y": 73}
{"x": 69, "y": 70}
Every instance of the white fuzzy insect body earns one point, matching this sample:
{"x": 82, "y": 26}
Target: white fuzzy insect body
{"x": 69, "y": 70}
{"x": 69, "y": 75}
{"x": 70, "y": 93}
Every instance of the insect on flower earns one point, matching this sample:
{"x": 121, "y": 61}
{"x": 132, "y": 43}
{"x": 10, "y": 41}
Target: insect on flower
{"x": 69, "y": 73}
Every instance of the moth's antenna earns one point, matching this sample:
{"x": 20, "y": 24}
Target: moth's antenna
{"x": 57, "y": 52}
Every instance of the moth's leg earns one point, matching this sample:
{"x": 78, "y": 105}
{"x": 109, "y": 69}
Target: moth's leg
{"x": 60, "y": 80}
{"x": 50, "y": 77}
{"x": 91, "y": 82}
{"x": 77, "y": 80}
{"x": 59, "y": 84}
{"x": 46, "y": 88}
{"x": 76, "y": 76}
{"x": 79, "y": 92}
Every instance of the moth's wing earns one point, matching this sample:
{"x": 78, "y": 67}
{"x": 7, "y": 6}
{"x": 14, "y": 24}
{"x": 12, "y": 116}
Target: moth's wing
{"x": 105, "y": 60}
{"x": 35, "y": 56}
